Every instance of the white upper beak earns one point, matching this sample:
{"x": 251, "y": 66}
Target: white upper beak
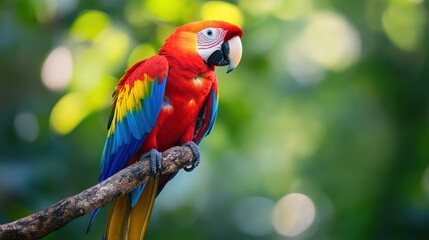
{"x": 235, "y": 51}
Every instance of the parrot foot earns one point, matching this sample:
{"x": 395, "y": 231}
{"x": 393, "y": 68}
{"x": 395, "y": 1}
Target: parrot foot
{"x": 155, "y": 158}
{"x": 196, "y": 151}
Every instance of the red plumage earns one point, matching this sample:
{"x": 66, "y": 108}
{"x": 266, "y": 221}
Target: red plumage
{"x": 176, "y": 91}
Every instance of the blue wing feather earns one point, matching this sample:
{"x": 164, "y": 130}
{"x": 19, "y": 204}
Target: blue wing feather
{"x": 130, "y": 132}
{"x": 206, "y": 118}
{"x": 213, "y": 114}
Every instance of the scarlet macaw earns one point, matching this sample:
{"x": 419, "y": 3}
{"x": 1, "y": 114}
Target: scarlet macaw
{"x": 166, "y": 100}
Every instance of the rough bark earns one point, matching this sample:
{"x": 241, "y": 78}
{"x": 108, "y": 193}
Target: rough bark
{"x": 58, "y": 215}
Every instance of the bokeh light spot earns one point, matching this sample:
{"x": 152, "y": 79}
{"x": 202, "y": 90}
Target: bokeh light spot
{"x": 224, "y": 11}
{"x": 68, "y": 113}
{"x": 293, "y": 214}
{"x": 109, "y": 48}
{"x": 171, "y": 11}
{"x": 57, "y": 70}
{"x": 403, "y": 24}
{"x": 26, "y": 126}
{"x": 330, "y": 41}
{"x": 113, "y": 43}
{"x": 88, "y": 25}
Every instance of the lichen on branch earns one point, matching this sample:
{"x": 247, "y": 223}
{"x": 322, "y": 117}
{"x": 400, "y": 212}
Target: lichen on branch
{"x": 42, "y": 223}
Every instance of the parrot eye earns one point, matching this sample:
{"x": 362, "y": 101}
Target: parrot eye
{"x": 209, "y": 33}
{"x": 209, "y": 40}
{"x": 210, "y": 37}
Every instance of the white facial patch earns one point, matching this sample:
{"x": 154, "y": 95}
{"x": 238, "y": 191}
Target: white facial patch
{"x": 209, "y": 40}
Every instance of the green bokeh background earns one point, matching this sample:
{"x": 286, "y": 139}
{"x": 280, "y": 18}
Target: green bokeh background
{"x": 330, "y": 101}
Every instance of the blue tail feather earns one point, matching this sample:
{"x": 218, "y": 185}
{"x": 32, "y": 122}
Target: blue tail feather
{"x": 94, "y": 213}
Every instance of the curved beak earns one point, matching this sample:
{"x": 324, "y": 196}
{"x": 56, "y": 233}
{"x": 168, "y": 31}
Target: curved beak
{"x": 235, "y": 52}
{"x": 229, "y": 54}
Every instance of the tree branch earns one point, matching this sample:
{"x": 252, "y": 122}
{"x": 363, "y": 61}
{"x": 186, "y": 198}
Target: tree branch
{"x": 58, "y": 215}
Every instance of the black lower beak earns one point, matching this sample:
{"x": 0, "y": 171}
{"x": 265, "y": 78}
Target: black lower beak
{"x": 220, "y": 57}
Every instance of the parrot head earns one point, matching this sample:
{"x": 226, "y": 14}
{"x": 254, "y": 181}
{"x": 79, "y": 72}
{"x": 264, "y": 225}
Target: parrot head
{"x": 216, "y": 43}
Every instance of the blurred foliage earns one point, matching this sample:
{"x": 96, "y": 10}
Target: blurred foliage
{"x": 322, "y": 131}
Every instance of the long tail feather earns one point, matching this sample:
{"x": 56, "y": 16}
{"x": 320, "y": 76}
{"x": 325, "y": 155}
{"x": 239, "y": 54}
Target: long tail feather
{"x": 94, "y": 213}
{"x": 129, "y": 223}
{"x": 140, "y": 214}
{"x": 118, "y": 218}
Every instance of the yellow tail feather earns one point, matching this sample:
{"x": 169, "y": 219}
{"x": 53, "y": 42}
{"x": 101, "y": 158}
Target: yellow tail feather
{"x": 140, "y": 214}
{"x": 118, "y": 218}
{"x": 131, "y": 224}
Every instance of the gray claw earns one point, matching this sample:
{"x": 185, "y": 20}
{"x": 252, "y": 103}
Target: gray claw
{"x": 196, "y": 151}
{"x": 155, "y": 158}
